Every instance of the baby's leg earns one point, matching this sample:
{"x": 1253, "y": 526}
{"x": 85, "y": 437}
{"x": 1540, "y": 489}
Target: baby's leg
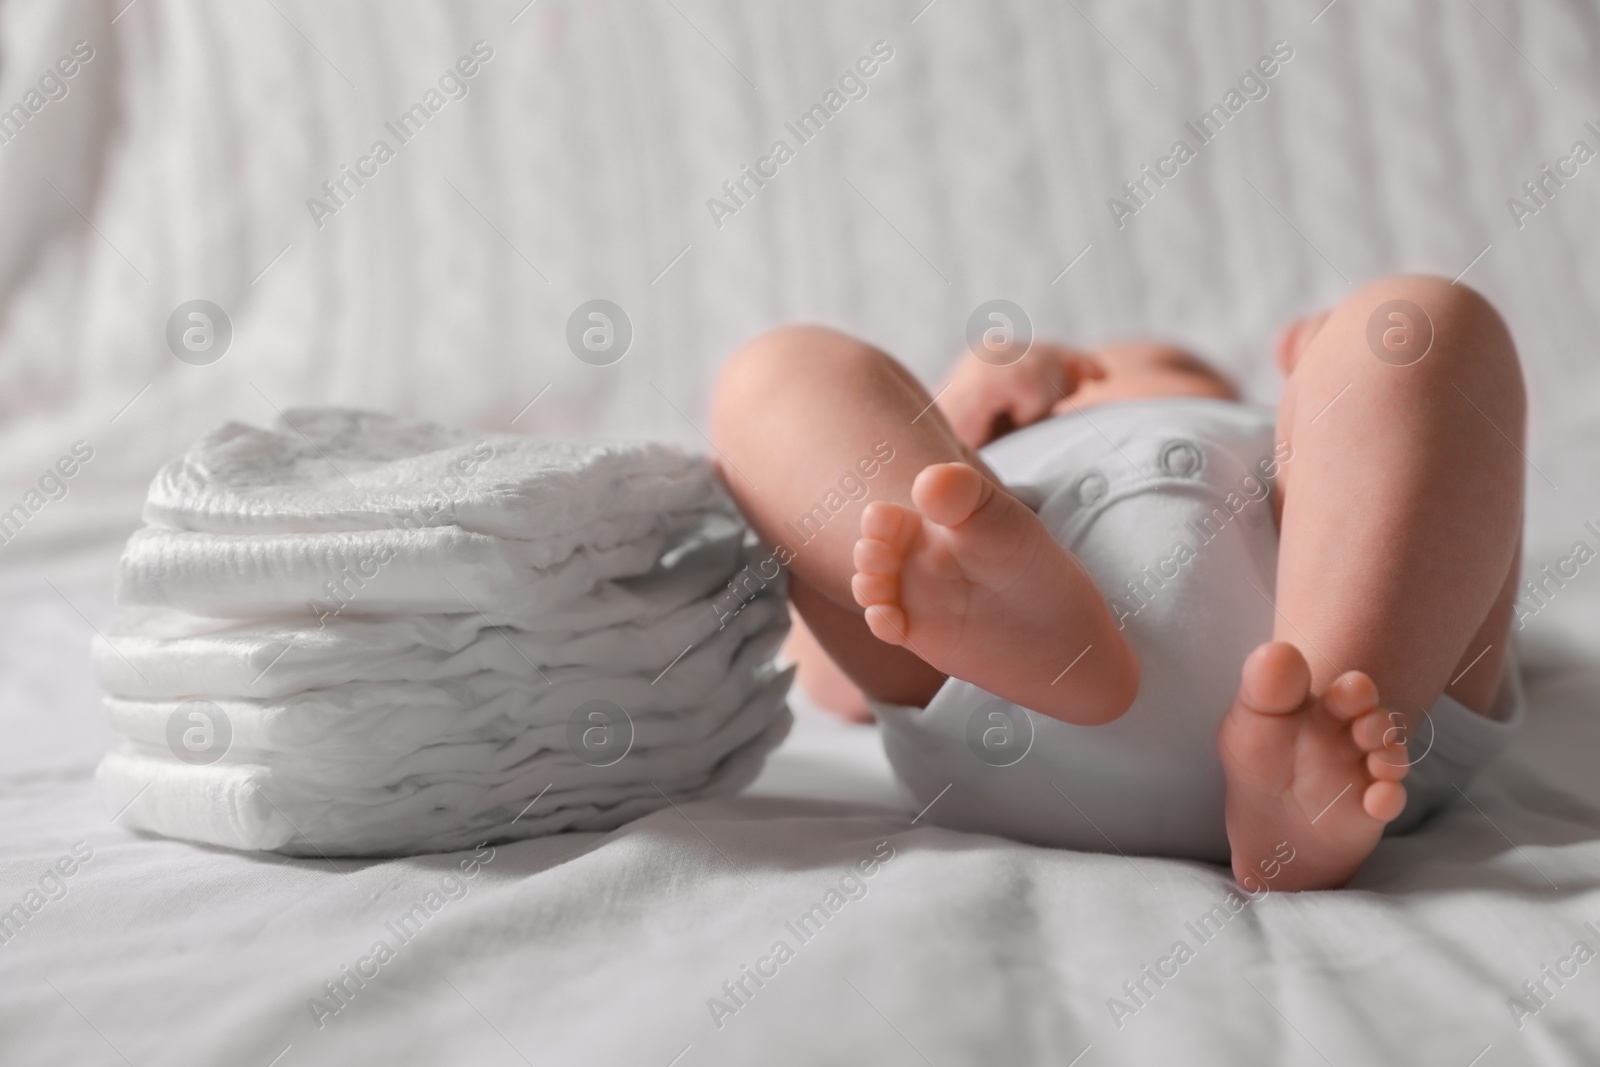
{"x": 963, "y": 579}
{"x": 1400, "y": 525}
{"x": 792, "y": 413}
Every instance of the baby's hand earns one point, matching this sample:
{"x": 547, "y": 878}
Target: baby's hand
{"x": 984, "y": 402}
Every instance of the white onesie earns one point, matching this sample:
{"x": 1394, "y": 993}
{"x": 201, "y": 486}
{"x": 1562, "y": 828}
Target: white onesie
{"x": 1167, "y": 504}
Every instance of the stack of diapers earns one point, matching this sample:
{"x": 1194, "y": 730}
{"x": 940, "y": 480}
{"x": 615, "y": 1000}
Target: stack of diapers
{"x": 357, "y": 634}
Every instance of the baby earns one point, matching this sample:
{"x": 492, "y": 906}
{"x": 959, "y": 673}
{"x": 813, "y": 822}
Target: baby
{"x": 1201, "y": 604}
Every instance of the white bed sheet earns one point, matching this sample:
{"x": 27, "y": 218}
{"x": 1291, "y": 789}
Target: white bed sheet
{"x": 608, "y": 949}
{"x": 979, "y": 165}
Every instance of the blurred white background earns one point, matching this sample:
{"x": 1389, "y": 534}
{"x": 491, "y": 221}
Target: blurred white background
{"x": 579, "y": 165}
{"x": 176, "y": 165}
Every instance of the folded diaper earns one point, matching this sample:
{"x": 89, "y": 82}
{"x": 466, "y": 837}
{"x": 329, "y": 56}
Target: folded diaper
{"x": 408, "y": 725}
{"x": 438, "y": 569}
{"x": 331, "y": 469}
{"x": 359, "y": 634}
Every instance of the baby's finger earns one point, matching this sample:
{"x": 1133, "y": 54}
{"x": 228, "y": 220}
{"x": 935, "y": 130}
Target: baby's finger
{"x": 1081, "y": 368}
{"x": 1031, "y": 399}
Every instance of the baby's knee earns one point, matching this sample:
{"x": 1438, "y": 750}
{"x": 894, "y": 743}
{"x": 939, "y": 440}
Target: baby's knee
{"x": 1444, "y": 334}
{"x": 777, "y": 362}
{"x": 779, "y": 353}
{"x": 782, "y": 351}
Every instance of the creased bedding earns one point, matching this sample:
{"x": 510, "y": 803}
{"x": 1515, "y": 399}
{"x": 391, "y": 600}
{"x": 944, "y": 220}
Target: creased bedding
{"x": 978, "y": 165}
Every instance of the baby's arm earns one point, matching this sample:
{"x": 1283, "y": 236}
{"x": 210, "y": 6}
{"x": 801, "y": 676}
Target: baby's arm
{"x": 985, "y": 401}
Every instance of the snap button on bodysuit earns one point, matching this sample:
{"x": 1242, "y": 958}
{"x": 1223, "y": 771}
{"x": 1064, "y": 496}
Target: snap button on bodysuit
{"x": 1090, "y": 488}
{"x": 1181, "y": 459}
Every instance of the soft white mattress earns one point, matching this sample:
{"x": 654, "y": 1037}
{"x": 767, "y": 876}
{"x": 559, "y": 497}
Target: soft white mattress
{"x": 978, "y": 165}
{"x": 589, "y": 948}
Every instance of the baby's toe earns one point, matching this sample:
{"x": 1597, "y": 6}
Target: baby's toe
{"x": 1388, "y": 765}
{"x": 893, "y": 524}
{"x": 948, "y": 493}
{"x": 872, "y": 556}
{"x": 887, "y": 623}
{"x": 871, "y": 590}
{"x": 1275, "y": 679}
{"x": 1352, "y": 694}
{"x": 1384, "y": 801}
{"x": 1371, "y": 731}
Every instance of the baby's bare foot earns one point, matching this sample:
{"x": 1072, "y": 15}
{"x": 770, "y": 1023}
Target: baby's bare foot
{"x": 971, "y": 581}
{"x": 1317, "y": 773}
